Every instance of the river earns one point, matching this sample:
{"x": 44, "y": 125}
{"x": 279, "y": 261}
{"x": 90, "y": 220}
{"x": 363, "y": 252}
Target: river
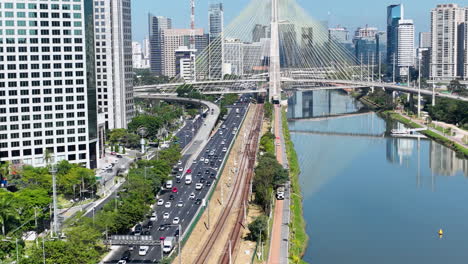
{"x": 369, "y": 198}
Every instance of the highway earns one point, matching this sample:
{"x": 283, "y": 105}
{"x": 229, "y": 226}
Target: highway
{"x": 202, "y": 172}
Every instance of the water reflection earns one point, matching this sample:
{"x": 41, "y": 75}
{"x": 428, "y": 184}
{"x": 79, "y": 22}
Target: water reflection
{"x": 443, "y": 161}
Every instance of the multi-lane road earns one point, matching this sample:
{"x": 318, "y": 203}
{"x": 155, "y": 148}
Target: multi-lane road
{"x": 191, "y": 199}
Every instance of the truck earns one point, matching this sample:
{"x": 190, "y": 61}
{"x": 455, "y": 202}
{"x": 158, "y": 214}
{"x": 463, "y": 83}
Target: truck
{"x": 169, "y": 184}
{"x": 280, "y": 192}
{"x": 168, "y": 244}
{"x": 188, "y": 179}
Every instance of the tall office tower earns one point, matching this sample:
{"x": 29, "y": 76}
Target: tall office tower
{"x": 365, "y": 44}
{"x": 157, "y": 25}
{"x": 216, "y": 26}
{"x": 405, "y": 45}
{"x": 425, "y": 39}
{"x": 339, "y": 34}
{"x": 381, "y": 48}
{"x": 288, "y": 45}
{"x": 47, "y": 83}
{"x": 394, "y": 14}
{"x": 137, "y": 55}
{"x": 172, "y": 39}
{"x": 259, "y": 31}
{"x": 252, "y": 56}
{"x": 366, "y": 32}
{"x": 114, "y": 71}
{"x": 185, "y": 63}
{"x": 233, "y": 57}
{"x": 146, "y": 53}
{"x": 448, "y": 46}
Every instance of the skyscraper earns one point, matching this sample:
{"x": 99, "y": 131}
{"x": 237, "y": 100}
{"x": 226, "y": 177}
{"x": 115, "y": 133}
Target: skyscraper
{"x": 216, "y": 26}
{"x": 113, "y": 38}
{"x": 394, "y": 14}
{"x": 288, "y": 44}
{"x": 48, "y": 93}
{"x": 172, "y": 39}
{"x": 405, "y": 53}
{"x": 449, "y": 56}
{"x": 259, "y": 32}
{"x": 425, "y": 39}
{"x": 157, "y": 25}
{"x": 185, "y": 63}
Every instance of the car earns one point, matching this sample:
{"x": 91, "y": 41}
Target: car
{"x": 198, "y": 186}
{"x": 181, "y": 169}
{"x": 180, "y": 204}
{"x": 177, "y": 180}
{"x": 162, "y": 238}
{"x": 179, "y": 163}
{"x": 223, "y": 127}
{"x": 131, "y": 247}
{"x": 162, "y": 227}
{"x": 207, "y": 161}
{"x": 207, "y": 172}
{"x": 212, "y": 175}
{"x": 202, "y": 180}
{"x": 138, "y": 230}
{"x": 122, "y": 261}
{"x": 199, "y": 173}
{"x": 160, "y": 202}
{"x": 143, "y": 250}
{"x": 176, "y": 221}
{"x": 146, "y": 233}
{"x": 171, "y": 197}
{"x": 113, "y": 153}
{"x": 208, "y": 183}
{"x": 220, "y": 132}
{"x": 175, "y": 190}
{"x": 202, "y": 158}
{"x": 224, "y": 149}
{"x": 176, "y": 232}
{"x": 168, "y": 205}
{"x": 166, "y": 215}
{"x": 189, "y": 171}
{"x": 192, "y": 196}
{"x": 126, "y": 255}
{"x": 149, "y": 225}
{"x": 119, "y": 156}
{"x": 198, "y": 201}
{"x": 194, "y": 162}
{"x": 212, "y": 163}
{"x": 233, "y": 132}
{"x": 223, "y": 142}
{"x": 153, "y": 217}
{"x": 178, "y": 176}
{"x": 211, "y": 153}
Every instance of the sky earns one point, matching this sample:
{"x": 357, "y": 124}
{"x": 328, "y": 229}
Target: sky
{"x": 347, "y": 13}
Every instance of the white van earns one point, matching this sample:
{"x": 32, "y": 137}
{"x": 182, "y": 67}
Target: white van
{"x": 188, "y": 179}
{"x": 169, "y": 184}
{"x": 143, "y": 250}
{"x": 207, "y": 161}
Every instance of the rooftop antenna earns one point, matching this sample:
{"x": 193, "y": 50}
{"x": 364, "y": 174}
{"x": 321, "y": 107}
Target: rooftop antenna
{"x": 192, "y": 24}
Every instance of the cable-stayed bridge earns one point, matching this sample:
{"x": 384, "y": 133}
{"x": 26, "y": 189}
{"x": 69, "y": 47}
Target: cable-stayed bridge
{"x": 273, "y": 46}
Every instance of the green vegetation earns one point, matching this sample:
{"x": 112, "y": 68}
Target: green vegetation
{"x": 268, "y": 175}
{"x": 450, "y": 111}
{"x": 297, "y": 232}
{"x": 84, "y": 243}
{"x": 381, "y": 98}
{"x": 258, "y": 229}
{"x": 268, "y": 110}
{"x": 145, "y": 77}
{"x": 267, "y": 143}
{"x": 456, "y": 87}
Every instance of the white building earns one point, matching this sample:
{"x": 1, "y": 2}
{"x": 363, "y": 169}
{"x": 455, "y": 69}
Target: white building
{"x": 185, "y": 63}
{"x": 137, "y": 55}
{"x": 449, "y": 57}
{"x": 233, "y": 57}
{"x": 146, "y": 53}
{"x": 172, "y": 40}
{"x": 114, "y": 72}
{"x": 406, "y": 54}
{"x": 425, "y": 39}
{"x": 48, "y": 93}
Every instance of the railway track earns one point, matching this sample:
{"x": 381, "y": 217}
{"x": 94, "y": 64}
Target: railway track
{"x": 240, "y": 189}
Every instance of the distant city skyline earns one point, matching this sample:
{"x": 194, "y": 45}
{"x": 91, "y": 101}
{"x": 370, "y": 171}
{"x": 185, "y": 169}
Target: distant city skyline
{"x": 336, "y": 12}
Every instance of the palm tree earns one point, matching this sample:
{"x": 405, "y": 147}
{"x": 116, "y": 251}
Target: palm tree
{"x": 7, "y": 212}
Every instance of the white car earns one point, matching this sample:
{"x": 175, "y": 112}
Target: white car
{"x": 160, "y": 202}
{"x": 181, "y": 169}
{"x": 176, "y": 221}
{"x": 166, "y": 215}
{"x": 202, "y": 159}
{"x": 192, "y": 196}
{"x": 179, "y": 162}
{"x": 143, "y": 250}
{"x": 167, "y": 205}
{"x": 198, "y": 186}
{"x": 122, "y": 261}
{"x": 220, "y": 132}
{"x": 223, "y": 142}
{"x": 180, "y": 204}
{"x": 194, "y": 162}
{"x": 153, "y": 217}
{"x": 224, "y": 149}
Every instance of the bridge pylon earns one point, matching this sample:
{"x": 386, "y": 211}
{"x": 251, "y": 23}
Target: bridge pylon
{"x": 275, "y": 69}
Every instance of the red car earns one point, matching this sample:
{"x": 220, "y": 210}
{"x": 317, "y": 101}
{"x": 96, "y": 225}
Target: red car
{"x": 189, "y": 171}
{"x": 162, "y": 238}
{"x": 175, "y": 190}
{"x": 113, "y": 153}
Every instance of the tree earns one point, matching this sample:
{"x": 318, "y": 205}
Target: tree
{"x": 456, "y": 86}
{"x": 258, "y": 228}
{"x": 8, "y": 214}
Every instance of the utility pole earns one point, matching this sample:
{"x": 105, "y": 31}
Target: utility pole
{"x": 380, "y": 66}
{"x": 53, "y": 171}
{"x": 409, "y": 85}
{"x": 419, "y": 86}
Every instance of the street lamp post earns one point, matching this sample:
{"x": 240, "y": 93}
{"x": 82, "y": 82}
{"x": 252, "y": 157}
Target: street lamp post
{"x": 55, "y": 226}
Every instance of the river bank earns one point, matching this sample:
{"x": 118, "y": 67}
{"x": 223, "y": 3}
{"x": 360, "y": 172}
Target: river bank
{"x": 298, "y": 236}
